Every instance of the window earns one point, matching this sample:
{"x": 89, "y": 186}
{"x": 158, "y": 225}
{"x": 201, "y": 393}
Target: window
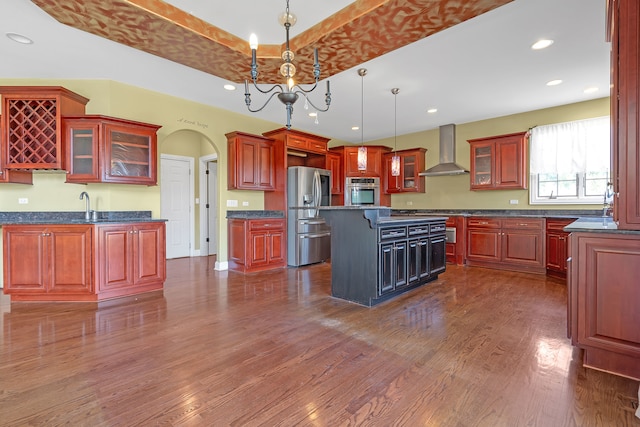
{"x": 570, "y": 162}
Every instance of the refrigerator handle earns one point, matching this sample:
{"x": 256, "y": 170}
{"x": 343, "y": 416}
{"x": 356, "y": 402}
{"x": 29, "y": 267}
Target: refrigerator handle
{"x": 317, "y": 191}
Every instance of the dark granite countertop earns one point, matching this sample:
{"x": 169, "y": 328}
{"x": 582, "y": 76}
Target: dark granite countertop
{"x": 254, "y": 214}
{"x": 533, "y": 213}
{"x": 26, "y": 218}
{"x": 597, "y": 225}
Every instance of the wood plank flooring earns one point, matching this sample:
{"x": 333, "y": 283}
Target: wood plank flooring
{"x": 477, "y": 347}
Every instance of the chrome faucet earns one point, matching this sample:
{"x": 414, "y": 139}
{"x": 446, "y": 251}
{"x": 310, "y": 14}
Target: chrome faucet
{"x": 608, "y": 201}
{"x": 87, "y": 212}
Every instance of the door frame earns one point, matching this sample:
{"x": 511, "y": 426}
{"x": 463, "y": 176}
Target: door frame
{"x": 203, "y": 211}
{"x": 192, "y": 229}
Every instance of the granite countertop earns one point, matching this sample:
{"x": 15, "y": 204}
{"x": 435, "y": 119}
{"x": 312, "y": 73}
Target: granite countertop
{"x": 597, "y": 225}
{"x": 409, "y": 218}
{"x": 254, "y": 214}
{"x": 26, "y": 218}
{"x": 525, "y": 213}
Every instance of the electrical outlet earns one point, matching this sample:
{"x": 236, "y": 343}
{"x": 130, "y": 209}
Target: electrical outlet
{"x": 245, "y": 203}
{"x": 409, "y": 203}
{"x": 232, "y": 203}
{"x": 23, "y": 201}
{"x": 513, "y": 202}
{"x": 197, "y": 200}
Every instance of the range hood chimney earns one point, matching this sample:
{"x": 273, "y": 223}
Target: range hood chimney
{"x": 447, "y": 164}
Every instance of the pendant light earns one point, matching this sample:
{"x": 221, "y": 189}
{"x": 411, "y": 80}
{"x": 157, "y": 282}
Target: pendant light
{"x": 395, "y": 159}
{"x": 362, "y": 150}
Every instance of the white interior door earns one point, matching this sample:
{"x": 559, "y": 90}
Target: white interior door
{"x": 176, "y": 193}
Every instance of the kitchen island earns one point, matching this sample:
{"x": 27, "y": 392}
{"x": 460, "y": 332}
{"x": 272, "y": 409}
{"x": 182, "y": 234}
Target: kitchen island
{"x": 376, "y": 256}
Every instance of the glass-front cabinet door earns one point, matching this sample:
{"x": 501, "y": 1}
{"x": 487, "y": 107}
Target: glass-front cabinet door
{"x": 482, "y": 165}
{"x": 130, "y": 154}
{"x": 82, "y": 150}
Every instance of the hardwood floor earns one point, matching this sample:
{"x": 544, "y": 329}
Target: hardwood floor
{"x": 477, "y": 347}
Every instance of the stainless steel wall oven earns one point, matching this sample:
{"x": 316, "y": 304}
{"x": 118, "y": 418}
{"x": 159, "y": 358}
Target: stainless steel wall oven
{"x": 362, "y": 192}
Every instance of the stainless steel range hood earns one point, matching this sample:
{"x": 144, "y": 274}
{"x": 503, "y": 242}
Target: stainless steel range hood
{"x": 447, "y": 164}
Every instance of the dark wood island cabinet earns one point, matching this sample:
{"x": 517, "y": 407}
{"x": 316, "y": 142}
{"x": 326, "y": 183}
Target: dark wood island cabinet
{"x": 375, "y": 256}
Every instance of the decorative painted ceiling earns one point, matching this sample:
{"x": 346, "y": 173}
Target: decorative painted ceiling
{"x": 358, "y": 33}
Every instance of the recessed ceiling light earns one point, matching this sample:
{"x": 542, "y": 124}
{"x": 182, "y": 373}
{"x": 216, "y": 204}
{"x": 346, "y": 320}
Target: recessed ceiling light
{"x": 432, "y": 110}
{"x": 313, "y": 114}
{"x": 591, "y": 89}
{"x": 229, "y": 87}
{"x": 355, "y": 128}
{"x": 19, "y": 38}
{"x": 541, "y": 44}
{"x": 554, "y": 82}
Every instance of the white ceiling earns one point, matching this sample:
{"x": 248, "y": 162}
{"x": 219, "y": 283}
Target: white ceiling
{"x": 479, "y": 69}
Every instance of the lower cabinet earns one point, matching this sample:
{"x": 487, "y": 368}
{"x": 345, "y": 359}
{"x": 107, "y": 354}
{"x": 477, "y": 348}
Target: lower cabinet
{"x": 48, "y": 263}
{"x": 604, "y": 301}
{"x": 393, "y": 259}
{"x": 131, "y": 258}
{"x": 256, "y": 244}
{"x": 69, "y": 263}
{"x": 506, "y": 243}
{"x": 409, "y": 256}
{"x": 557, "y": 246}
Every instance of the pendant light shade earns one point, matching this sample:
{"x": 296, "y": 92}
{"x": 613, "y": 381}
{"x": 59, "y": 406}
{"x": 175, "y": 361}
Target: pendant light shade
{"x": 395, "y": 165}
{"x": 395, "y": 159}
{"x": 362, "y": 150}
{"x": 362, "y": 158}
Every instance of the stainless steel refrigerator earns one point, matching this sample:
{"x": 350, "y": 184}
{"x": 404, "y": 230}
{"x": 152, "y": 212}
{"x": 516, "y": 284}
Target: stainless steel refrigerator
{"x": 308, "y": 235}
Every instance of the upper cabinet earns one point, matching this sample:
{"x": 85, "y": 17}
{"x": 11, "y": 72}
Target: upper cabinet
{"x": 11, "y": 176}
{"x": 108, "y": 149}
{"x": 334, "y": 164}
{"x": 296, "y": 141}
{"x": 411, "y": 163}
{"x": 374, "y": 161}
{"x": 624, "y": 26}
{"x": 499, "y": 162}
{"x": 32, "y": 125}
{"x": 251, "y": 162}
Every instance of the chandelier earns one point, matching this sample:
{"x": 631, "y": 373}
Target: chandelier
{"x": 288, "y": 92}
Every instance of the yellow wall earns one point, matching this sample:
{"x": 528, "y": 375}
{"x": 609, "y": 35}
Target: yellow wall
{"x": 194, "y": 130}
{"x": 176, "y": 115}
{"x": 452, "y": 192}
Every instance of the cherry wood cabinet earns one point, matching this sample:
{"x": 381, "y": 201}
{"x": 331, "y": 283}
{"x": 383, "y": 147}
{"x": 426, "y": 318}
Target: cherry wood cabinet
{"x": 48, "y": 263}
{"x": 557, "y": 246}
{"x": 88, "y": 262}
{"x": 256, "y": 244}
{"x": 108, "y": 149}
{"x": 411, "y": 163}
{"x": 499, "y": 162}
{"x": 334, "y": 164}
{"x": 12, "y": 176}
{"x": 374, "y": 160}
{"x": 251, "y": 162}
{"x": 32, "y": 125}
{"x": 456, "y": 249}
{"x": 624, "y": 27}
{"x": 506, "y": 243}
{"x": 131, "y": 258}
{"x": 603, "y": 314}
{"x": 298, "y": 141}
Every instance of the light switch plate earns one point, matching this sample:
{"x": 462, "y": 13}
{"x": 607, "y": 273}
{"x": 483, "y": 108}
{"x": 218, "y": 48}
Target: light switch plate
{"x": 23, "y": 201}
{"x": 232, "y": 203}
{"x": 513, "y": 201}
